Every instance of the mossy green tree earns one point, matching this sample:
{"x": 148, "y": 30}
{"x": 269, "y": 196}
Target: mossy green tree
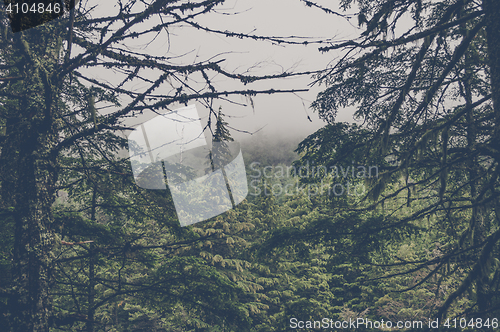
{"x": 428, "y": 98}
{"x": 57, "y": 133}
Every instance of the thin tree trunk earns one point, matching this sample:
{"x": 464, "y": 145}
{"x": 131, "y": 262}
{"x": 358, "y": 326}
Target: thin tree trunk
{"x": 492, "y": 16}
{"x": 91, "y": 288}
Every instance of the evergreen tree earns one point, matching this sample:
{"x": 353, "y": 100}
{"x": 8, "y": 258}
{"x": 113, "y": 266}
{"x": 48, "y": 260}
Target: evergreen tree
{"x": 58, "y": 138}
{"x": 428, "y": 99}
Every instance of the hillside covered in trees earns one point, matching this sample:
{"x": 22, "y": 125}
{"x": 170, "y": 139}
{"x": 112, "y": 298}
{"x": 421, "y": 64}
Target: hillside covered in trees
{"x": 389, "y": 222}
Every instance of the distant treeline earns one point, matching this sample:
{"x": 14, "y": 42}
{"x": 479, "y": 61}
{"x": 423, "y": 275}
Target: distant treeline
{"x": 270, "y": 149}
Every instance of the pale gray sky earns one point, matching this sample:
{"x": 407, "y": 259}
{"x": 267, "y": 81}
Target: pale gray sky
{"x": 277, "y": 113}
{"x": 285, "y": 113}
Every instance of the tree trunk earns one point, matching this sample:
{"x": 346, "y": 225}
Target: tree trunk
{"x": 91, "y": 288}
{"x": 492, "y": 17}
{"x": 28, "y": 176}
{"x": 30, "y": 192}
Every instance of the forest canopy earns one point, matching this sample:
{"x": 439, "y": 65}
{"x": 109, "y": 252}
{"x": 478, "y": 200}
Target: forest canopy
{"x": 84, "y": 248}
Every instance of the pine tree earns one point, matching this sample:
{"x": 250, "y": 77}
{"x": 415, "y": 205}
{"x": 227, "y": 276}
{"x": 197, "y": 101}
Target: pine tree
{"x": 428, "y": 98}
{"x": 221, "y": 155}
{"x": 57, "y": 137}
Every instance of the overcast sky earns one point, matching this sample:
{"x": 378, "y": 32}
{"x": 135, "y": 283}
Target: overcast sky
{"x": 283, "y": 114}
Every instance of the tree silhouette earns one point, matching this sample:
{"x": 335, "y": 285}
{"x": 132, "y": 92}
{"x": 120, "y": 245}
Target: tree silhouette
{"x": 62, "y": 130}
{"x": 427, "y": 94}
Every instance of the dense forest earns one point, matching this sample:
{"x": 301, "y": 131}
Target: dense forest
{"x": 389, "y": 222}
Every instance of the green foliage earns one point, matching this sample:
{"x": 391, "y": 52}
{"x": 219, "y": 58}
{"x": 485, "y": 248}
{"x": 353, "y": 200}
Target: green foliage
{"x": 428, "y": 122}
{"x": 84, "y": 248}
